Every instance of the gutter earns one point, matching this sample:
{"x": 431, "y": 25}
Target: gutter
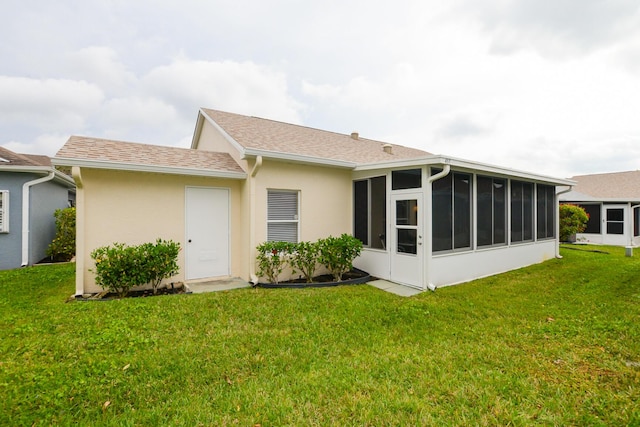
{"x": 558, "y": 256}
{"x": 25, "y": 213}
{"x": 429, "y": 223}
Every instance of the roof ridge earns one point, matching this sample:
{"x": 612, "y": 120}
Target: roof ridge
{"x": 360, "y": 138}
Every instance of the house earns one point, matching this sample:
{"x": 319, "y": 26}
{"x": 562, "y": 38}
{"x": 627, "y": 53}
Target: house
{"x": 612, "y": 201}
{"x": 425, "y": 220}
{"x": 30, "y": 192}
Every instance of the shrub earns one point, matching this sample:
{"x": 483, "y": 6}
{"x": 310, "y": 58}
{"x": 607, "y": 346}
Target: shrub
{"x": 63, "y": 246}
{"x": 120, "y": 267}
{"x": 159, "y": 261}
{"x": 304, "y": 258}
{"x": 338, "y": 253}
{"x": 272, "y": 259}
{"x": 573, "y": 219}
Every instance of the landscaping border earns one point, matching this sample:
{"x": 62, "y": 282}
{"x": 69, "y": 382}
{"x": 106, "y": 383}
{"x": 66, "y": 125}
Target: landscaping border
{"x": 356, "y": 281}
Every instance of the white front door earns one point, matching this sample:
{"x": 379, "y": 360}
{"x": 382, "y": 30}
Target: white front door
{"x": 207, "y": 232}
{"x": 405, "y": 243}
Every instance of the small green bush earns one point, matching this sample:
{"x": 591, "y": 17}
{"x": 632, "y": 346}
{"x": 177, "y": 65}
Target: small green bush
{"x": 338, "y": 253}
{"x": 159, "y": 261}
{"x": 272, "y": 258}
{"x": 573, "y": 219}
{"x": 63, "y": 246}
{"x": 304, "y": 258}
{"x": 120, "y": 267}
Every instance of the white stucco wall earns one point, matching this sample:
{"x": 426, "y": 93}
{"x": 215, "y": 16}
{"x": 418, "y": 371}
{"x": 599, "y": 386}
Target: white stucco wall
{"x": 454, "y": 268}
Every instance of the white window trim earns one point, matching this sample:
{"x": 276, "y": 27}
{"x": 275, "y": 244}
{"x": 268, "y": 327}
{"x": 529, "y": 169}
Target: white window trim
{"x": 4, "y": 211}
{"x": 296, "y": 220}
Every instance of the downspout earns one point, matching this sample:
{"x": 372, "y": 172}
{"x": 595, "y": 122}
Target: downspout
{"x": 558, "y": 220}
{"x": 252, "y": 220}
{"x": 25, "y": 214}
{"x": 429, "y": 224}
{"x": 80, "y": 235}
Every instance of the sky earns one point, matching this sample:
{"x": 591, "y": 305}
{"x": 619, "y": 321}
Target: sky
{"x": 551, "y": 87}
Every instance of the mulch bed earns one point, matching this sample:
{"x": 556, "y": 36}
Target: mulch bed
{"x": 352, "y": 277}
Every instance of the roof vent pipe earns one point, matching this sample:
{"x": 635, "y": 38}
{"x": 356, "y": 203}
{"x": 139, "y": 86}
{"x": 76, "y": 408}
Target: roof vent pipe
{"x": 387, "y": 148}
{"x": 354, "y": 135}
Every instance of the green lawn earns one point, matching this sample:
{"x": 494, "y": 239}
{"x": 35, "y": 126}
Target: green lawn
{"x": 553, "y": 344}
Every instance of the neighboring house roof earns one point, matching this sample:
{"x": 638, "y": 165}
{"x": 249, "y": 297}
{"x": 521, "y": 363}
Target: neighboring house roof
{"x": 258, "y": 136}
{"x": 31, "y": 163}
{"x": 110, "y": 154}
{"x": 617, "y": 186}
{"x": 10, "y": 158}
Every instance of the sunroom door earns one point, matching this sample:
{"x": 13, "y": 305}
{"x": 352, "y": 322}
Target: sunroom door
{"x": 406, "y": 239}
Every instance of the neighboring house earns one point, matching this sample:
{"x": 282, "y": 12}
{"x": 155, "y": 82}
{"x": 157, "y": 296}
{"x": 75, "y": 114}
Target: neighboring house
{"x": 425, "y": 220}
{"x": 30, "y": 192}
{"x": 612, "y": 201}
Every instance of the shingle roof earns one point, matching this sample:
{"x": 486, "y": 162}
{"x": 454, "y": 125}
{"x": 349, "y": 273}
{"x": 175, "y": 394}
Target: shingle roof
{"x": 104, "y": 150}
{"x": 16, "y": 159}
{"x": 618, "y": 185}
{"x": 269, "y": 135}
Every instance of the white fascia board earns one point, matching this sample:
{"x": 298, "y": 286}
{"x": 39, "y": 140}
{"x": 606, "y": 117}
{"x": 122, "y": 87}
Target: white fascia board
{"x": 132, "y": 167}
{"x": 44, "y": 170}
{"x": 219, "y": 128}
{"x": 469, "y": 165}
{"x": 297, "y": 158}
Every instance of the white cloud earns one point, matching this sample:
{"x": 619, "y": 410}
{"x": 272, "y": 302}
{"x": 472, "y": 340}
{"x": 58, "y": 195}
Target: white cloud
{"x": 242, "y": 87}
{"x": 100, "y": 65}
{"x": 51, "y": 104}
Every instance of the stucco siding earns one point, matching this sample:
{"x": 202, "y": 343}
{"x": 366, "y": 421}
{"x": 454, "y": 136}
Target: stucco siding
{"x": 325, "y": 198}
{"x": 211, "y": 139}
{"x": 133, "y": 208}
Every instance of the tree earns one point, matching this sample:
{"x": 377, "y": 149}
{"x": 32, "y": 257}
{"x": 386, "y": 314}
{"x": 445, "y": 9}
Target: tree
{"x": 573, "y": 219}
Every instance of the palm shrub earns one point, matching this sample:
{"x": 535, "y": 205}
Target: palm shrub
{"x": 304, "y": 258}
{"x": 272, "y": 259}
{"x": 573, "y": 219}
{"x": 337, "y": 254}
{"x": 63, "y": 246}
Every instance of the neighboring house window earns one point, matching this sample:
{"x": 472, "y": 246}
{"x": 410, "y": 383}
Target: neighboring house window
{"x": 451, "y": 200}
{"x": 595, "y": 218}
{"x": 370, "y": 211}
{"x": 546, "y": 211}
{"x": 636, "y": 222}
{"x": 615, "y": 221}
{"x": 282, "y": 216}
{"x": 404, "y": 179}
{"x": 4, "y": 211}
{"x": 521, "y": 211}
{"x": 492, "y": 211}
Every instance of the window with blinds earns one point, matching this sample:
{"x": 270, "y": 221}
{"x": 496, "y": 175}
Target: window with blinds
{"x": 4, "y": 211}
{"x": 282, "y": 216}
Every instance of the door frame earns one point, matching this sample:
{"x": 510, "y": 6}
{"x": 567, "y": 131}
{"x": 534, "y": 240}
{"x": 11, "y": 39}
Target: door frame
{"x": 407, "y": 268}
{"x": 189, "y": 273}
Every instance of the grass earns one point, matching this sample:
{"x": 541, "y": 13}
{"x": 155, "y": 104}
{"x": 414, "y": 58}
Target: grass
{"x": 553, "y": 344}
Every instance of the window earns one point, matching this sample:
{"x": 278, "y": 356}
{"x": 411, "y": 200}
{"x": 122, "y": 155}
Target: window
{"x": 615, "y": 221}
{"x": 402, "y": 180}
{"x": 282, "y": 216}
{"x": 4, "y": 211}
{"x": 492, "y": 211}
{"x": 451, "y": 201}
{"x": 370, "y": 211}
{"x": 595, "y": 217}
{"x": 521, "y": 211}
{"x": 636, "y": 222}
{"x": 546, "y": 212}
